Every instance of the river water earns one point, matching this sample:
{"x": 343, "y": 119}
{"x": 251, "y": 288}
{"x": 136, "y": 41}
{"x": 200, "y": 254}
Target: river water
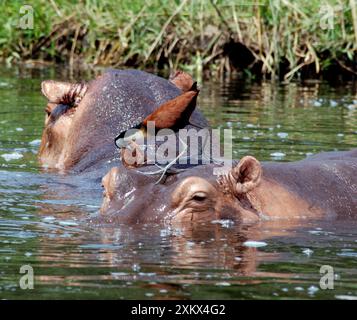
{"x": 272, "y": 260}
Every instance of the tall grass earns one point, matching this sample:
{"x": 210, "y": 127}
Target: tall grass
{"x": 282, "y": 37}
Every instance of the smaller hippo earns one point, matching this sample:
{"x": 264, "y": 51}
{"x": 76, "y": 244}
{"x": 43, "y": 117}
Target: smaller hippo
{"x": 324, "y": 185}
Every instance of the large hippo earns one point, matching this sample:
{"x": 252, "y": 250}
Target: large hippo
{"x": 324, "y": 185}
{"x": 83, "y": 119}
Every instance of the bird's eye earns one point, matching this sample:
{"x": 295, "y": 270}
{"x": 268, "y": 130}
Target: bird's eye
{"x": 199, "y": 197}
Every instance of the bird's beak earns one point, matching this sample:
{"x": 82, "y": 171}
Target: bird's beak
{"x": 121, "y": 143}
{"x": 124, "y": 139}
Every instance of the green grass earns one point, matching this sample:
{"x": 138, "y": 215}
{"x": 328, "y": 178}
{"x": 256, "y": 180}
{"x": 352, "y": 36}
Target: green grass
{"x": 284, "y": 36}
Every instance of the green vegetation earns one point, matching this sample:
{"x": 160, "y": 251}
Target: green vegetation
{"x": 260, "y": 37}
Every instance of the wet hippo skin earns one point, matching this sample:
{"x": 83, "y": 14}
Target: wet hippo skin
{"x": 322, "y": 186}
{"x": 82, "y": 137}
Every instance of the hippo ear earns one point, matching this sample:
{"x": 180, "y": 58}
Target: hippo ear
{"x": 55, "y": 90}
{"x": 244, "y": 177}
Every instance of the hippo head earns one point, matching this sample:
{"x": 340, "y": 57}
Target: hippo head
{"x": 63, "y": 101}
{"x": 83, "y": 119}
{"x": 194, "y": 195}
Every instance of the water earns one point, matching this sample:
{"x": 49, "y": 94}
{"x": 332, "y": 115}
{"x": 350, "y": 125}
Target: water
{"x": 272, "y": 260}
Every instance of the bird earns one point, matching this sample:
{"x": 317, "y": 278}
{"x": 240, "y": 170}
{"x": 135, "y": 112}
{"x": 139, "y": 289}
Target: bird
{"x": 174, "y": 114}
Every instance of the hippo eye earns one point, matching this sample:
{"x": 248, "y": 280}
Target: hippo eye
{"x": 58, "y": 111}
{"x": 199, "y": 197}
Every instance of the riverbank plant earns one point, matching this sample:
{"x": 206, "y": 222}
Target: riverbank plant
{"x": 269, "y": 38}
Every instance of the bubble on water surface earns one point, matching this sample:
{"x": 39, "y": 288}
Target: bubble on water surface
{"x": 308, "y": 252}
{"x": 223, "y": 284}
{"x": 147, "y": 274}
{"x": 348, "y": 254}
{"x": 312, "y": 290}
{"x": 346, "y": 297}
{"x": 119, "y": 274}
{"x": 68, "y": 223}
{"x": 317, "y": 103}
{"x": 136, "y": 267}
{"x": 189, "y": 244}
{"x": 320, "y": 232}
{"x": 282, "y": 135}
{"x": 165, "y": 233}
{"x": 149, "y": 294}
{"x": 35, "y": 142}
{"x": 12, "y": 156}
{"x": 333, "y": 103}
{"x": 49, "y": 219}
{"x": 98, "y": 246}
{"x": 255, "y": 244}
{"x": 4, "y": 84}
{"x": 278, "y": 154}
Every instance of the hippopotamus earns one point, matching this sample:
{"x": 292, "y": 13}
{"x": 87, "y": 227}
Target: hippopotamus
{"x": 320, "y": 186}
{"x": 83, "y": 119}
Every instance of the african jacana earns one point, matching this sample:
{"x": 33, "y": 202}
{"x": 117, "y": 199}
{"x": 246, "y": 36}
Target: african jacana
{"x": 174, "y": 114}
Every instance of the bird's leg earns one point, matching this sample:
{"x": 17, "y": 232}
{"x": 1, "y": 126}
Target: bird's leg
{"x": 164, "y": 170}
{"x": 170, "y": 164}
{"x": 196, "y": 125}
{"x": 169, "y": 170}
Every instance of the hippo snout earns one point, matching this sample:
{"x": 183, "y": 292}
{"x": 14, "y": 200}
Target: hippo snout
{"x": 109, "y": 183}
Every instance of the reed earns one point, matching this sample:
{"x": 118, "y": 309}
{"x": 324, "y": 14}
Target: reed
{"x": 270, "y": 38}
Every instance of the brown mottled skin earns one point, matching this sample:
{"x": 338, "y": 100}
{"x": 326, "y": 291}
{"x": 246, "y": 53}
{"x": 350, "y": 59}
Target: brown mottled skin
{"x": 324, "y": 185}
